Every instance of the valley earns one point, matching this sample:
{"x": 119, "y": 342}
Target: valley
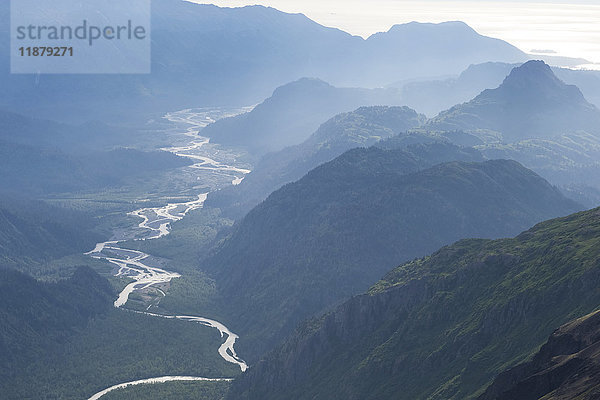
{"x": 142, "y": 269}
{"x": 281, "y": 210}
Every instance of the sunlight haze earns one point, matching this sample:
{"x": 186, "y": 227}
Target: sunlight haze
{"x": 571, "y": 30}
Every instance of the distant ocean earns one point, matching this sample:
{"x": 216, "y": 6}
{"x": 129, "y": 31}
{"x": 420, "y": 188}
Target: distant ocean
{"x": 567, "y": 28}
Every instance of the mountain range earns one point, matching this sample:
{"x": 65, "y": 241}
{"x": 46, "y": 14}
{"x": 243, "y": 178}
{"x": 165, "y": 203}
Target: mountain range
{"x": 432, "y": 96}
{"x": 334, "y": 232}
{"x": 203, "y": 54}
{"x": 360, "y": 128}
{"x": 443, "y": 326}
{"x": 565, "y": 154}
{"x": 291, "y": 114}
{"x": 531, "y": 103}
{"x": 375, "y": 253}
{"x": 534, "y": 118}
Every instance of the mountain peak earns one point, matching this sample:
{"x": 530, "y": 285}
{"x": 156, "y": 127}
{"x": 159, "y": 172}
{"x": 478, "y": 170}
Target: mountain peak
{"x": 535, "y": 74}
{"x": 531, "y": 102}
{"x": 534, "y": 85}
{"x": 303, "y": 83}
{"x": 414, "y": 26}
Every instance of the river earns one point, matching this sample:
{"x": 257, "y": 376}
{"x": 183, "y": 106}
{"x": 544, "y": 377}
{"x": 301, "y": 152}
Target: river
{"x": 156, "y": 223}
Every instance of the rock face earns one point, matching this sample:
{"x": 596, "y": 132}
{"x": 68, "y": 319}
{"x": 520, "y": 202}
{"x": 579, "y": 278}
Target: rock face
{"x": 566, "y": 367}
{"x": 531, "y": 103}
{"x": 444, "y": 326}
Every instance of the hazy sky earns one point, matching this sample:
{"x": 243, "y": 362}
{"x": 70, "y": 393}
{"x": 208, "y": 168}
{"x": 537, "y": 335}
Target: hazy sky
{"x": 569, "y": 28}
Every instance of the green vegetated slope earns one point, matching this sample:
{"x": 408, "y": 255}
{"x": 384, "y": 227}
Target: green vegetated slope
{"x": 36, "y": 314}
{"x": 33, "y": 233}
{"x": 65, "y": 340}
{"x": 566, "y": 367}
{"x": 443, "y": 326}
{"x": 362, "y": 127}
{"x": 333, "y": 233}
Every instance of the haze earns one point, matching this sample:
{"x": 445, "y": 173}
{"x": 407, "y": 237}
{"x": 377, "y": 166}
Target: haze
{"x": 571, "y": 30}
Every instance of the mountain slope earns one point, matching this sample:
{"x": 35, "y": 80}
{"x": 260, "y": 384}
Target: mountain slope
{"x": 362, "y": 127}
{"x": 566, "y": 367}
{"x": 291, "y": 114}
{"x": 443, "y": 326}
{"x": 333, "y": 233}
{"x": 28, "y": 131}
{"x": 38, "y": 156}
{"x": 33, "y": 232}
{"x": 66, "y": 340}
{"x": 531, "y": 103}
{"x": 38, "y": 170}
{"x": 36, "y": 315}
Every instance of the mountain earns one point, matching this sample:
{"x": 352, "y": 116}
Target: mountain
{"x": 566, "y": 367}
{"x": 203, "y": 55}
{"x": 570, "y": 161}
{"x": 362, "y": 127}
{"x": 417, "y": 50}
{"x": 337, "y": 230}
{"x": 442, "y": 327}
{"x": 531, "y": 103}
{"x": 33, "y": 232}
{"x": 432, "y": 96}
{"x": 291, "y": 114}
{"x": 537, "y": 120}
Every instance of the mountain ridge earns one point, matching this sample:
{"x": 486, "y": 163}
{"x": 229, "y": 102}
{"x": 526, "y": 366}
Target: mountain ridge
{"x": 443, "y": 326}
{"x": 292, "y": 113}
{"x": 306, "y": 246}
{"x": 198, "y": 60}
{"x": 362, "y": 127}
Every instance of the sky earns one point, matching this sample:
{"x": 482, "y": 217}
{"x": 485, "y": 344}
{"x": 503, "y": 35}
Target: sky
{"x": 565, "y": 28}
